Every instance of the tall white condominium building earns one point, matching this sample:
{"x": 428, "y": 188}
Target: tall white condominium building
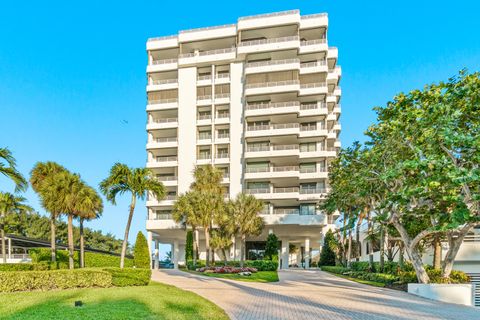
{"x": 259, "y": 100}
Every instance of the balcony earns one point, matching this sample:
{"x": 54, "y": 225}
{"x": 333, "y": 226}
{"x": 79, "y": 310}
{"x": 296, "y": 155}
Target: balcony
{"x": 272, "y": 172}
{"x": 221, "y": 98}
{"x": 162, "y": 42}
{"x": 162, "y": 123}
{"x": 214, "y": 32}
{"x": 279, "y": 129}
{"x": 204, "y": 100}
{"x": 312, "y": 194}
{"x": 313, "y": 67}
{"x": 312, "y": 130}
{"x": 313, "y": 88}
{"x": 319, "y": 153}
{"x": 162, "y": 65}
{"x": 223, "y": 137}
{"x": 314, "y": 21}
{"x": 222, "y": 158}
{"x": 313, "y": 173}
{"x": 313, "y": 109}
{"x": 164, "y": 142}
{"x": 272, "y": 44}
{"x": 162, "y": 104}
{"x": 222, "y": 78}
{"x": 162, "y": 161}
{"x": 272, "y": 66}
{"x": 163, "y": 84}
{"x": 272, "y": 87}
{"x": 168, "y": 181}
{"x": 269, "y": 20}
{"x": 311, "y": 46}
{"x": 272, "y": 151}
{"x": 204, "y": 119}
{"x": 197, "y": 57}
{"x": 271, "y": 108}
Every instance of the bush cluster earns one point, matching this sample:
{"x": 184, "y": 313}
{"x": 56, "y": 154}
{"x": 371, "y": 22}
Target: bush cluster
{"x": 435, "y": 276}
{"x": 92, "y": 259}
{"x": 78, "y": 278}
{"x": 260, "y": 265}
{"x": 335, "y": 269}
{"x": 16, "y": 267}
{"x": 227, "y": 269}
{"x": 389, "y": 267}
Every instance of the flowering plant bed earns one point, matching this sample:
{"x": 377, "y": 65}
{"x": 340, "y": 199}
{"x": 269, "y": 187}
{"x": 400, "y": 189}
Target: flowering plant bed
{"x": 226, "y": 270}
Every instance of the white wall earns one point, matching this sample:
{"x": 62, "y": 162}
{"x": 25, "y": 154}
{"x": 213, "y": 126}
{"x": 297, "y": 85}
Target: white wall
{"x": 236, "y": 128}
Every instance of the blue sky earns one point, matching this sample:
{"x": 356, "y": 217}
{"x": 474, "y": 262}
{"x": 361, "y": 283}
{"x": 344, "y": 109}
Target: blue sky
{"x": 72, "y": 74}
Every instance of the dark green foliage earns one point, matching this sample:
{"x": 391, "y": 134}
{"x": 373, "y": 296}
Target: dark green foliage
{"x": 57, "y": 279}
{"x": 92, "y": 259}
{"x": 327, "y": 256}
{"x": 260, "y": 265}
{"x": 189, "y": 246}
{"x": 389, "y": 267}
{"x": 435, "y": 276}
{"x": 36, "y": 226}
{"x": 271, "y": 247}
{"x": 141, "y": 254}
{"x": 129, "y": 276}
{"x": 376, "y": 277}
{"x": 335, "y": 269}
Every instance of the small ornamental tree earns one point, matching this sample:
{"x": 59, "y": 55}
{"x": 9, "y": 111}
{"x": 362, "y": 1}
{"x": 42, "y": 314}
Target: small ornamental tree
{"x": 141, "y": 256}
{"x": 271, "y": 247}
{"x": 189, "y": 246}
{"x": 327, "y": 256}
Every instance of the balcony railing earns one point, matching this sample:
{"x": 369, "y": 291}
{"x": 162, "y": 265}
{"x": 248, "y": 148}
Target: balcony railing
{"x": 170, "y": 197}
{"x": 312, "y": 85}
{"x": 161, "y": 101}
{"x": 286, "y": 211}
{"x": 311, "y": 16}
{"x": 206, "y": 53}
{"x": 267, "y": 41}
{"x": 205, "y": 97}
{"x": 266, "y": 15}
{"x": 167, "y": 178}
{"x": 162, "y": 38}
{"x": 164, "y": 81}
{"x": 222, "y": 156}
{"x": 166, "y": 159}
{"x": 271, "y": 63}
{"x": 207, "y": 28}
{"x": 309, "y": 128}
{"x": 204, "y": 117}
{"x": 267, "y": 105}
{"x": 164, "y": 120}
{"x": 312, "y": 191}
{"x": 258, "y": 191}
{"x": 285, "y": 147}
{"x": 204, "y": 156}
{"x": 313, "y": 64}
{"x": 312, "y": 106}
{"x": 308, "y": 170}
{"x": 312, "y": 42}
{"x": 284, "y": 168}
{"x": 223, "y": 135}
{"x": 285, "y": 190}
{"x": 222, "y": 95}
{"x": 257, "y": 148}
{"x": 162, "y": 216}
{"x": 271, "y": 84}
{"x": 222, "y": 75}
{"x": 164, "y": 61}
{"x": 223, "y": 115}
{"x": 276, "y": 147}
{"x": 273, "y": 126}
{"x": 257, "y": 170}
{"x": 205, "y": 77}
{"x": 167, "y": 139}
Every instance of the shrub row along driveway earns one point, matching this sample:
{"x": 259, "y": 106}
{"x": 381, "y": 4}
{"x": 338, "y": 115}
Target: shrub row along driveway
{"x": 312, "y": 295}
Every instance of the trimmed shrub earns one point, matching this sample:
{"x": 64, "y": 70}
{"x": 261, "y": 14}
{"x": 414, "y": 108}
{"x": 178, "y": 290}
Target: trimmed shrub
{"x": 327, "y": 256}
{"x": 57, "y": 279}
{"x": 129, "y": 276}
{"x": 435, "y": 276}
{"x": 141, "y": 255}
{"x": 189, "y": 246}
{"x": 335, "y": 269}
{"x": 260, "y": 265}
{"x": 16, "y": 267}
{"x": 271, "y": 247}
{"x": 371, "y": 276}
{"x": 92, "y": 259}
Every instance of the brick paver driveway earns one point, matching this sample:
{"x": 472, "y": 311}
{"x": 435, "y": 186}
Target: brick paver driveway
{"x": 312, "y": 295}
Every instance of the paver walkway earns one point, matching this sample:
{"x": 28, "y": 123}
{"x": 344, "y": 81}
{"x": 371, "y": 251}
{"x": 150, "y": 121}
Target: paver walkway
{"x": 312, "y": 295}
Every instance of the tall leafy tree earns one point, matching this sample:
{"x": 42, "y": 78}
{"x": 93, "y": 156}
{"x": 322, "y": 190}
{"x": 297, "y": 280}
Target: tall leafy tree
{"x": 246, "y": 209}
{"x": 327, "y": 256}
{"x": 271, "y": 247}
{"x": 10, "y": 205}
{"x": 89, "y": 206}
{"x": 43, "y": 175}
{"x": 135, "y": 181}
{"x": 8, "y": 168}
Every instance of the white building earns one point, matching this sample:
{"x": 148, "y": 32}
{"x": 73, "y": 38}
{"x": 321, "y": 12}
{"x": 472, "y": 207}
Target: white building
{"x": 258, "y": 99}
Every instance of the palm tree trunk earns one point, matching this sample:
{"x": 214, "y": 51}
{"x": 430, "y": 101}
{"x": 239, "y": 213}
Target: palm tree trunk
{"x": 70, "y": 242}
{"x": 224, "y": 256}
{"x": 82, "y": 249}
{"x": 370, "y": 242}
{"x": 53, "y": 240}
{"x": 242, "y": 250}
{"x": 357, "y": 240}
{"x": 127, "y": 230}
{"x": 382, "y": 247}
{"x": 349, "y": 257}
{"x": 195, "y": 248}
{"x": 207, "y": 245}
{"x": 2, "y": 227}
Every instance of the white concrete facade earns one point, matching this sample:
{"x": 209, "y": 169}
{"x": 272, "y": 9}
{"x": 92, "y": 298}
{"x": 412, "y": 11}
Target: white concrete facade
{"x": 259, "y": 100}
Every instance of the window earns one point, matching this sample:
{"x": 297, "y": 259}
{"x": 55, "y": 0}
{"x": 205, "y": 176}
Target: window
{"x": 308, "y": 167}
{"x": 308, "y": 147}
{"x": 307, "y": 209}
{"x": 258, "y": 167}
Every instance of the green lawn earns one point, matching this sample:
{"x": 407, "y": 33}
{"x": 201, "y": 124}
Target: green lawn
{"x": 155, "y": 301}
{"x": 372, "y": 283}
{"x": 260, "y": 276}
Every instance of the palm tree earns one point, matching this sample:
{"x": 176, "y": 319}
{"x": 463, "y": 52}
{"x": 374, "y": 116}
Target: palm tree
{"x": 248, "y": 223}
{"x": 184, "y": 212}
{"x": 8, "y": 169}
{"x": 136, "y": 181}
{"x": 10, "y": 204}
{"x": 207, "y": 184}
{"x": 89, "y": 206}
{"x": 63, "y": 194}
{"x": 41, "y": 176}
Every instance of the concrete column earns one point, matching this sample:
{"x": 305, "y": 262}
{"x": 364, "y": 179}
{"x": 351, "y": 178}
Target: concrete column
{"x": 157, "y": 255}
{"x": 149, "y": 241}
{"x": 285, "y": 248}
{"x": 175, "y": 252}
{"x": 9, "y": 248}
{"x": 307, "y": 253}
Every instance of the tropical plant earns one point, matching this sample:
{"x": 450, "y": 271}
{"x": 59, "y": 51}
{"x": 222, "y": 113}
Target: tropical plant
{"x": 41, "y": 176}
{"x": 8, "y": 168}
{"x": 10, "y": 204}
{"x": 141, "y": 254}
{"x": 246, "y": 209}
{"x": 136, "y": 181}
{"x": 89, "y": 206}
{"x": 328, "y": 254}
{"x": 271, "y": 247}
{"x": 189, "y": 246}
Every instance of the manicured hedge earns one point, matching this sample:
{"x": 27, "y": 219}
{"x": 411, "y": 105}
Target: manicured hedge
{"x": 336, "y": 269}
{"x": 260, "y": 265}
{"x": 389, "y": 267}
{"x": 92, "y": 259}
{"x": 16, "y": 267}
{"x": 56, "y": 279}
{"x": 129, "y": 276}
{"x": 435, "y": 276}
